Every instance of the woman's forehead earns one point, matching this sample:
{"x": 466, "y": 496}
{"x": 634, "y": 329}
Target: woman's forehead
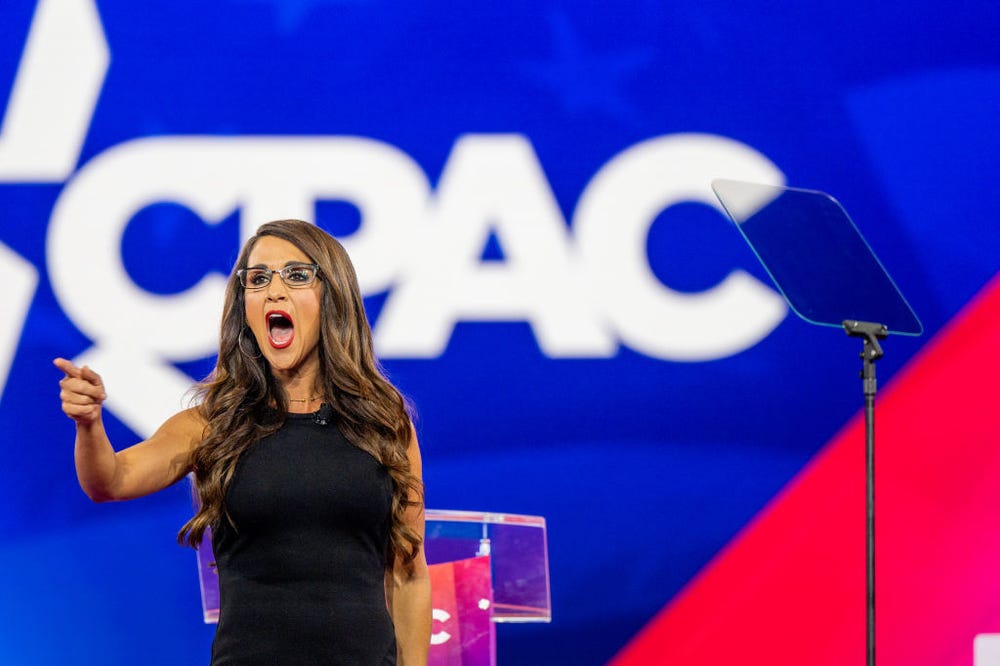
{"x": 275, "y": 252}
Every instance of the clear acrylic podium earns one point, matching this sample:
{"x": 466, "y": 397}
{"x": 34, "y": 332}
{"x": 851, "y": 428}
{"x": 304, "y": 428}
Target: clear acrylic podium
{"x": 485, "y": 568}
{"x": 517, "y": 547}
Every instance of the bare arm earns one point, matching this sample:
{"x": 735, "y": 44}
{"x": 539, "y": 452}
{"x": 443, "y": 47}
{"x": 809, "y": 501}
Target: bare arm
{"x": 133, "y": 472}
{"x": 410, "y": 594}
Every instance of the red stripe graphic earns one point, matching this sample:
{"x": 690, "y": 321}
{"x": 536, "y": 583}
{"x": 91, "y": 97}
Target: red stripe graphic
{"x": 790, "y": 588}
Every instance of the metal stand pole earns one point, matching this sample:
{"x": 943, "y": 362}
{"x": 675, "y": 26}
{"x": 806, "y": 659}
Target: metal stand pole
{"x": 871, "y": 333}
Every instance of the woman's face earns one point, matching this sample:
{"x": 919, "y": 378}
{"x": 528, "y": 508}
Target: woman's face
{"x": 284, "y": 320}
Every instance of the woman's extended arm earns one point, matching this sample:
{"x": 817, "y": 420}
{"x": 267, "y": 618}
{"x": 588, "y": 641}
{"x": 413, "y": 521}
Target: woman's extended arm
{"x": 133, "y": 472}
{"x": 410, "y": 596}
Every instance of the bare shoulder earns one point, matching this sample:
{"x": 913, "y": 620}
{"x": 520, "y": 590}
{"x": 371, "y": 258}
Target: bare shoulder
{"x": 413, "y": 450}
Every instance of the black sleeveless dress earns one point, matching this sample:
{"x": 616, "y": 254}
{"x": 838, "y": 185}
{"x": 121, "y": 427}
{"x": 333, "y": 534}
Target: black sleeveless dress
{"x": 301, "y": 578}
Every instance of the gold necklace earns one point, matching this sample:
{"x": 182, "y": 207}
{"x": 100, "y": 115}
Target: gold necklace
{"x": 304, "y": 399}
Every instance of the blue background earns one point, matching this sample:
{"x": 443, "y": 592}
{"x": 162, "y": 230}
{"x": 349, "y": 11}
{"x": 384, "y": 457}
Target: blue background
{"x": 644, "y": 468}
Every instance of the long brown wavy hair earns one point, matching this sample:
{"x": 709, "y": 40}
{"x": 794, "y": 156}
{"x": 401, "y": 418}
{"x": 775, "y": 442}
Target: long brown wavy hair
{"x": 242, "y": 402}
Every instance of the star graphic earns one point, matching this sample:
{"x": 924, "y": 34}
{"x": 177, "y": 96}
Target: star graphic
{"x": 584, "y": 81}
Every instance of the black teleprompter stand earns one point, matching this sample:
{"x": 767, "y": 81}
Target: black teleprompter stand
{"x": 829, "y": 276}
{"x": 872, "y": 351}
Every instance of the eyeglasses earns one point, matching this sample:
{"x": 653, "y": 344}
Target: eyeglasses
{"x": 293, "y": 275}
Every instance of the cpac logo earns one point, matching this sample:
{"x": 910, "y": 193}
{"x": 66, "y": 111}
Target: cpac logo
{"x": 585, "y": 287}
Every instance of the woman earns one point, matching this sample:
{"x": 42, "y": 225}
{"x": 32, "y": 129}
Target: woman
{"x": 305, "y": 464}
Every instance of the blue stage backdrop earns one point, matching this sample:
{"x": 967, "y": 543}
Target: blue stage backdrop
{"x": 524, "y": 187}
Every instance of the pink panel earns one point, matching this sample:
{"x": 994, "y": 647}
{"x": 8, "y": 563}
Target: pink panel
{"x": 463, "y": 633}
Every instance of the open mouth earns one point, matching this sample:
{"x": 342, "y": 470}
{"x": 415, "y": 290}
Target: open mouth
{"x": 280, "y": 329}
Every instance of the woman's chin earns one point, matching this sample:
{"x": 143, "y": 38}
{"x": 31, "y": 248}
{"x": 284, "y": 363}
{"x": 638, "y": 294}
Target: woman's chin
{"x": 291, "y": 359}
{"x": 280, "y": 361}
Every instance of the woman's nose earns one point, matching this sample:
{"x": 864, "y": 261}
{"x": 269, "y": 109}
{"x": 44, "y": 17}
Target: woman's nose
{"x": 276, "y": 289}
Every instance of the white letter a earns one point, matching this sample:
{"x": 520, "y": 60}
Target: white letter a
{"x": 491, "y": 183}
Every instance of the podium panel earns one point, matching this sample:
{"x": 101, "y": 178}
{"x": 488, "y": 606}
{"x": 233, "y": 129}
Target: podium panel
{"x": 484, "y": 568}
{"x": 462, "y": 632}
{"x": 518, "y": 549}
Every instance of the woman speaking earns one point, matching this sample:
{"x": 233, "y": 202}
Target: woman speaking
{"x": 305, "y": 464}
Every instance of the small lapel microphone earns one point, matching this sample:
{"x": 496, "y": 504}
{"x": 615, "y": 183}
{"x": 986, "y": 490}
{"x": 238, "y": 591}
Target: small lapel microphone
{"x": 323, "y": 414}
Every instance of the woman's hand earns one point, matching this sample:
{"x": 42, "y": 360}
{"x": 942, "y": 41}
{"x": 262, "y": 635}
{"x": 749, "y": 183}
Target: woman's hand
{"x": 139, "y": 470}
{"x": 81, "y": 392}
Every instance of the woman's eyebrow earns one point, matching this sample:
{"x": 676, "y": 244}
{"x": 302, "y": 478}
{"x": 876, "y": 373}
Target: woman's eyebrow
{"x": 293, "y": 262}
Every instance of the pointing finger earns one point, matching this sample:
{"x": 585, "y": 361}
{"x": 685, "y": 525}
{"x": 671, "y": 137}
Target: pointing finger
{"x": 67, "y": 367}
{"x": 80, "y": 380}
